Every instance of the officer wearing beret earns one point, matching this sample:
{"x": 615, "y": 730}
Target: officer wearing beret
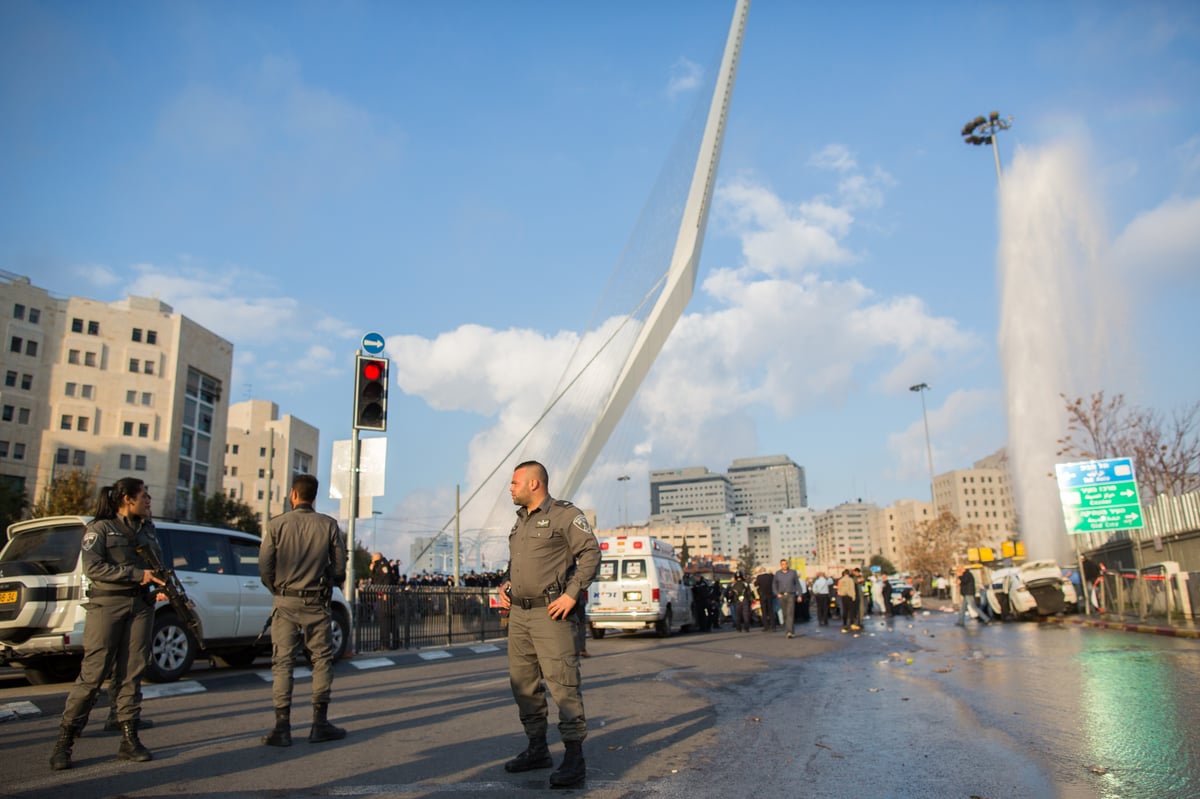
{"x": 553, "y": 557}
{"x": 303, "y": 556}
{"x": 120, "y": 617}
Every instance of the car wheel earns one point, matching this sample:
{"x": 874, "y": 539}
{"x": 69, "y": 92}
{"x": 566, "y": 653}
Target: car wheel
{"x": 52, "y": 670}
{"x": 662, "y": 628}
{"x": 598, "y": 632}
{"x": 339, "y": 633}
{"x": 172, "y": 649}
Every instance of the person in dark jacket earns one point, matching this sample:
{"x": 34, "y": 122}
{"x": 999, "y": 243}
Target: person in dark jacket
{"x": 120, "y": 617}
{"x": 740, "y": 599}
{"x": 764, "y": 584}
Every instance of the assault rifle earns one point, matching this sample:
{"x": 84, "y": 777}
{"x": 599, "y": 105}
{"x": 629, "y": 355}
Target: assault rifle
{"x": 176, "y": 596}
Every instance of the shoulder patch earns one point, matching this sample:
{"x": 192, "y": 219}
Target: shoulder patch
{"x": 562, "y": 503}
{"x": 582, "y": 523}
{"x": 89, "y": 540}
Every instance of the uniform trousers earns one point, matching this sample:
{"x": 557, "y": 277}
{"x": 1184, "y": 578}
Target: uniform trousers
{"x": 295, "y": 617}
{"x": 541, "y": 647}
{"x": 116, "y": 643}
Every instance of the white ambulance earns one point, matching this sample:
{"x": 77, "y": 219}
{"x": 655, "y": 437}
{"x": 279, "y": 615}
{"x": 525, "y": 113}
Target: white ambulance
{"x": 639, "y": 586}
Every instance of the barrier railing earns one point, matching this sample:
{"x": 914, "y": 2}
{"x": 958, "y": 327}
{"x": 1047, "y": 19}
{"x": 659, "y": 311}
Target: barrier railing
{"x": 390, "y": 617}
{"x": 1159, "y": 590}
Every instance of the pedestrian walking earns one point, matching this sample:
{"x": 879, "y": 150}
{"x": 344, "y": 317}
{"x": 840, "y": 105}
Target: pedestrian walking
{"x": 740, "y": 601}
{"x": 303, "y": 556}
{"x": 553, "y": 558}
{"x": 847, "y": 599}
{"x": 120, "y": 617}
{"x": 820, "y": 591}
{"x": 786, "y": 586}
{"x": 764, "y": 585}
{"x": 966, "y": 590}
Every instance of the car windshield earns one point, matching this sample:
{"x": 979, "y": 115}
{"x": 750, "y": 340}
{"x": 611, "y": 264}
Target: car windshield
{"x": 56, "y": 549}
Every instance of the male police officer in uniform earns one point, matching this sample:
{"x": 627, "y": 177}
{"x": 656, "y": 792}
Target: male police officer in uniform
{"x": 303, "y": 556}
{"x": 553, "y": 559}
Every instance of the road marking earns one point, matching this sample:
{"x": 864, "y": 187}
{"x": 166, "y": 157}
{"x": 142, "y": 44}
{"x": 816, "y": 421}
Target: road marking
{"x": 18, "y": 710}
{"x": 157, "y": 690}
{"x": 436, "y": 654}
{"x": 372, "y": 663}
{"x": 479, "y": 650}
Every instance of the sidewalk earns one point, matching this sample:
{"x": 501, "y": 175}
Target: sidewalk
{"x": 1131, "y": 624}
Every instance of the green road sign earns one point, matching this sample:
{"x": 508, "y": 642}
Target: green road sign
{"x": 1099, "y": 496}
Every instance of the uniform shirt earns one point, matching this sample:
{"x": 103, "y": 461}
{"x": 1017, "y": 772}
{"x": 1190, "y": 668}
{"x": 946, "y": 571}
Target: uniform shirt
{"x": 110, "y": 558}
{"x": 300, "y": 549}
{"x": 553, "y": 544}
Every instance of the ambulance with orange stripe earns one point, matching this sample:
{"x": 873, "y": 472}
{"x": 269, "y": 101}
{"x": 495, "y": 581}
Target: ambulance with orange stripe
{"x": 639, "y": 586}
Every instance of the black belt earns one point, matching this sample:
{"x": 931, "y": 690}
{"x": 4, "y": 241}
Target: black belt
{"x": 299, "y": 594}
{"x": 532, "y": 602}
{"x": 137, "y": 591}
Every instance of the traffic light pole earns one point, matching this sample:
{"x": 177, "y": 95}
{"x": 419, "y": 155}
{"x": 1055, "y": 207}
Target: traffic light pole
{"x": 355, "y": 449}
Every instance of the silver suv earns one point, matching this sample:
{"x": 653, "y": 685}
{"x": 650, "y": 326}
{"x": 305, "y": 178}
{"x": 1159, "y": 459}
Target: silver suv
{"x": 43, "y": 590}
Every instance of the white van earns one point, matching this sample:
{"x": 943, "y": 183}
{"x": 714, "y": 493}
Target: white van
{"x": 639, "y": 586}
{"x": 43, "y": 590}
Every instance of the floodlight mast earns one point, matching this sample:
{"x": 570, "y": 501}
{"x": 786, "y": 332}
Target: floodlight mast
{"x": 983, "y": 131}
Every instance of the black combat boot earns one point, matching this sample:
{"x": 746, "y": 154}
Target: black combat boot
{"x": 131, "y": 748}
{"x": 322, "y": 730}
{"x": 282, "y": 734}
{"x": 61, "y": 759}
{"x": 536, "y": 755}
{"x": 573, "y": 769}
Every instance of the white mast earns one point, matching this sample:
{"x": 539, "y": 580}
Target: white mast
{"x": 681, "y": 278}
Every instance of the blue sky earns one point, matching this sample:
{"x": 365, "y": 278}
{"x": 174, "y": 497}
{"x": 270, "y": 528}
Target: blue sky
{"x": 462, "y": 177}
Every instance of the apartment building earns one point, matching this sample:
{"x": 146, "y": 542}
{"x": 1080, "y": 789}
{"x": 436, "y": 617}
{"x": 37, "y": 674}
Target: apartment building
{"x": 891, "y": 526}
{"x": 843, "y": 535}
{"x": 263, "y": 452}
{"x": 980, "y": 496}
{"x": 127, "y": 388}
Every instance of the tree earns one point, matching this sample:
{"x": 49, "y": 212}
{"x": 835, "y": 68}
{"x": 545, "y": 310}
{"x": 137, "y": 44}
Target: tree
{"x": 1165, "y": 451}
{"x": 746, "y": 562}
{"x": 225, "y": 511}
{"x": 684, "y": 555}
{"x": 937, "y": 544}
{"x": 71, "y": 494}
{"x": 13, "y": 503}
{"x": 883, "y": 563}
{"x": 362, "y": 562}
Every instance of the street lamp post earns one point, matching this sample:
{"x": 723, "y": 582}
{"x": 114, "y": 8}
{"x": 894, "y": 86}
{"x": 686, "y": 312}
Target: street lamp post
{"x": 624, "y": 481}
{"x": 921, "y": 388}
{"x": 983, "y": 131}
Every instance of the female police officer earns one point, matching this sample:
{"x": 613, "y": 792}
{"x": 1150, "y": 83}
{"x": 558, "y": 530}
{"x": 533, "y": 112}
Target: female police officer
{"x": 120, "y": 617}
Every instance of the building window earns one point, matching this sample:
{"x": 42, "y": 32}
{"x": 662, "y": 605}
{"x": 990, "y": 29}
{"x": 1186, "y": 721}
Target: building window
{"x": 76, "y": 325}
{"x": 130, "y": 397}
{"x": 262, "y": 453}
{"x": 31, "y": 347}
{"x": 26, "y": 382}
{"x": 233, "y": 471}
{"x": 62, "y": 456}
{"x": 7, "y": 415}
{"x": 88, "y": 391}
{"x": 10, "y": 378}
{"x": 148, "y": 367}
{"x": 260, "y": 495}
{"x": 73, "y": 356}
{"x": 81, "y": 424}
{"x": 139, "y": 463}
{"x": 3, "y": 449}
{"x": 126, "y": 461}
{"x": 147, "y": 398}
{"x": 79, "y": 458}
{"x": 137, "y": 334}
{"x": 133, "y": 364}
{"x": 35, "y": 315}
{"x": 151, "y": 337}
{"x": 127, "y": 429}
{"x": 65, "y": 423}
{"x": 18, "y": 311}
{"x": 143, "y": 430}
{"x": 18, "y": 451}
{"x": 93, "y": 328}
{"x": 89, "y": 359}
{"x": 235, "y": 449}
{"x": 15, "y": 344}
{"x": 22, "y": 416}
{"x": 262, "y": 472}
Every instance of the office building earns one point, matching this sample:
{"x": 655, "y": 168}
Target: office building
{"x": 263, "y": 452}
{"x": 980, "y": 497}
{"x": 843, "y": 535}
{"x": 691, "y": 494}
{"x": 767, "y": 484}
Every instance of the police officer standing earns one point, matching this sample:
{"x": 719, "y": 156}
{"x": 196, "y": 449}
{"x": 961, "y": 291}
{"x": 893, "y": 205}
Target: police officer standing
{"x": 120, "y": 617}
{"x": 553, "y": 557}
{"x": 303, "y": 556}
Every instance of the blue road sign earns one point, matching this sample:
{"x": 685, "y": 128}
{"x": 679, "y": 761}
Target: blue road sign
{"x": 372, "y": 344}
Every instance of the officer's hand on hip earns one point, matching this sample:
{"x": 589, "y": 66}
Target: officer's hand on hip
{"x": 505, "y": 599}
{"x": 560, "y": 607}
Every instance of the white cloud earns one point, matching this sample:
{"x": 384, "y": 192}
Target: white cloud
{"x": 954, "y": 435}
{"x": 833, "y": 156}
{"x": 1163, "y": 243}
{"x": 685, "y": 76}
{"x": 97, "y": 274}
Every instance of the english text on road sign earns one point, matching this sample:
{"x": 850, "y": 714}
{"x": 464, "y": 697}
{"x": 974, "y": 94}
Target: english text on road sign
{"x": 1099, "y": 495}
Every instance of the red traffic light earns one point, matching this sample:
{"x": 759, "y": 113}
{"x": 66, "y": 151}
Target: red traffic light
{"x": 370, "y": 394}
{"x": 372, "y": 370}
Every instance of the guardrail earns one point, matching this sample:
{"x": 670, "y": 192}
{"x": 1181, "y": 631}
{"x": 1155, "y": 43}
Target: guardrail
{"x": 1158, "y": 590}
{"x": 391, "y": 617}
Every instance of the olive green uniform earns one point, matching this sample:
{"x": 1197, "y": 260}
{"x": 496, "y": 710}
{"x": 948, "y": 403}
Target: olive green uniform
{"x": 120, "y": 617}
{"x": 552, "y": 551}
{"x": 302, "y": 557}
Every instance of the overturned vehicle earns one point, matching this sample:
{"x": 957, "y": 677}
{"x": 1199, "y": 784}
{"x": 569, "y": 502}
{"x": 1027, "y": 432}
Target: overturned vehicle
{"x": 1036, "y": 588}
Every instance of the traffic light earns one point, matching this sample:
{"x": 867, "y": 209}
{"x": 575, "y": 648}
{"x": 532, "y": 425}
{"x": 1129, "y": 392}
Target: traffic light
{"x": 370, "y": 393}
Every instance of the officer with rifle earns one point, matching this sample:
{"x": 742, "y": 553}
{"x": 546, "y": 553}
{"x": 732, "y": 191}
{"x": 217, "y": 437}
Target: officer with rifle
{"x": 120, "y": 617}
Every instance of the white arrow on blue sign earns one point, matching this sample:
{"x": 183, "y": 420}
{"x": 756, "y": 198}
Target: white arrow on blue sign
{"x": 372, "y": 344}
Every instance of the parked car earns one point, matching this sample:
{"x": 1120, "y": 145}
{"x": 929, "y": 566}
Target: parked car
{"x": 43, "y": 591}
{"x": 1035, "y": 588}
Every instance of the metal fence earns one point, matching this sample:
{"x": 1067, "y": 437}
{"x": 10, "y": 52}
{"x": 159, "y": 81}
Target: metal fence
{"x": 1155, "y": 591}
{"x": 392, "y": 617}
